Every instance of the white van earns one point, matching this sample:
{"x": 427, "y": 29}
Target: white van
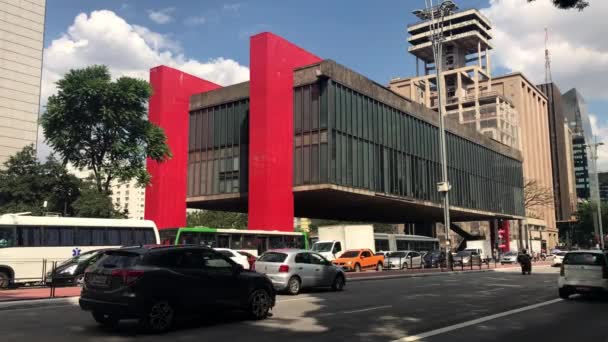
{"x": 583, "y": 272}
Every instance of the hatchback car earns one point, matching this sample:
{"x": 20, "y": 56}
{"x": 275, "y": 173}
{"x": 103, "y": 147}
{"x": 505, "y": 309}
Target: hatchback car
{"x": 71, "y": 271}
{"x": 400, "y": 260}
{"x": 509, "y": 258}
{"x": 583, "y": 272}
{"x": 291, "y": 270}
{"x": 559, "y": 258}
{"x": 156, "y": 283}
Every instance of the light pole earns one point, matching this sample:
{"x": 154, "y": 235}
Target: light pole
{"x": 436, "y": 14}
{"x": 593, "y": 150}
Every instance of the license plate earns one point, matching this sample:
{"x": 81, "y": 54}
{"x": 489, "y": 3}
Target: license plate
{"x": 98, "y": 280}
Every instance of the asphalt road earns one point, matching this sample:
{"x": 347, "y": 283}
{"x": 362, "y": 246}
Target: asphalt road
{"x": 491, "y": 306}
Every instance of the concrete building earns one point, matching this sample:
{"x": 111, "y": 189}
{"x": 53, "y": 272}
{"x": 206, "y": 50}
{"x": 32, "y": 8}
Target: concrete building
{"x": 466, "y": 71}
{"x": 125, "y": 196}
{"x": 575, "y": 110}
{"x": 603, "y": 178}
{"x": 560, "y": 143}
{"x": 21, "y": 45}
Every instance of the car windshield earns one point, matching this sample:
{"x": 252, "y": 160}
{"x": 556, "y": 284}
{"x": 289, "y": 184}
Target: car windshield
{"x": 7, "y": 237}
{"x": 322, "y": 246}
{"x": 226, "y": 253}
{"x": 397, "y": 255}
{"x": 590, "y": 259}
{"x": 510, "y": 254}
{"x": 463, "y": 253}
{"x": 118, "y": 259}
{"x": 80, "y": 258}
{"x": 349, "y": 254}
{"x": 561, "y": 253}
{"x": 273, "y": 257}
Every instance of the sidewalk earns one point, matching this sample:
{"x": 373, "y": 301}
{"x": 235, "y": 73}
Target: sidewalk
{"x": 37, "y": 293}
{"x": 370, "y": 275}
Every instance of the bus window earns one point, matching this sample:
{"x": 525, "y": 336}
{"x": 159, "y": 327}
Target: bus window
{"x": 381, "y": 245}
{"x": 188, "y": 238}
{"x": 98, "y": 237}
{"x": 207, "y": 239}
{"x": 126, "y": 237}
{"x": 249, "y": 242}
{"x": 276, "y": 242}
{"x": 235, "y": 241}
{"x": 402, "y": 245}
{"x": 223, "y": 241}
{"x": 290, "y": 241}
{"x": 29, "y": 236}
{"x": 7, "y": 237}
{"x": 113, "y": 236}
{"x": 84, "y": 237}
{"x": 51, "y": 236}
{"x": 145, "y": 236}
{"x": 300, "y": 243}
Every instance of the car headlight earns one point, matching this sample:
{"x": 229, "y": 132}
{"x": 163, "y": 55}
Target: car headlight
{"x": 70, "y": 270}
{"x": 349, "y": 263}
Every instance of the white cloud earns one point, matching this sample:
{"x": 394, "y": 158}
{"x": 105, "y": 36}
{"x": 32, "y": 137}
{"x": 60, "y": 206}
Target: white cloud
{"x": 195, "y": 20}
{"x": 579, "y": 54}
{"x": 231, "y": 7}
{"x": 103, "y": 37}
{"x": 162, "y": 16}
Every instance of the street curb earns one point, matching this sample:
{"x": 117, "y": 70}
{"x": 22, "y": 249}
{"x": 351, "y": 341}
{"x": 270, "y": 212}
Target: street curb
{"x": 37, "y": 303}
{"x": 417, "y": 275}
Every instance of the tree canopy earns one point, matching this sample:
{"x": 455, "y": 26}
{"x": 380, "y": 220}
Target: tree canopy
{"x": 96, "y": 123}
{"x": 216, "y": 219}
{"x": 569, "y": 4}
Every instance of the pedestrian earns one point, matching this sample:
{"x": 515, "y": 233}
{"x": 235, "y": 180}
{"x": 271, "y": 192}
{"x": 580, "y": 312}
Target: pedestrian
{"x": 495, "y": 254}
{"x": 525, "y": 261}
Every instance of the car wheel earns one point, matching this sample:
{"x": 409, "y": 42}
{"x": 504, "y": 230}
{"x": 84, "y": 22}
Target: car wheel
{"x": 159, "y": 317}
{"x": 564, "y": 294}
{"x": 293, "y": 286}
{"x": 338, "y": 284}
{"x": 106, "y": 320}
{"x": 379, "y": 267}
{"x": 259, "y": 304}
{"x": 404, "y": 266}
{"x": 357, "y": 268}
{"x": 5, "y": 280}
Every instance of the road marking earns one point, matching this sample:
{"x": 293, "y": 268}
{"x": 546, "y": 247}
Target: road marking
{"x": 443, "y": 330}
{"x": 293, "y": 300}
{"x": 503, "y": 285}
{"x": 38, "y": 308}
{"x": 368, "y": 309}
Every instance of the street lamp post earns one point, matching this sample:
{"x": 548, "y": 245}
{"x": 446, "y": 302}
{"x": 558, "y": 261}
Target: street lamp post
{"x": 593, "y": 150}
{"x": 436, "y": 14}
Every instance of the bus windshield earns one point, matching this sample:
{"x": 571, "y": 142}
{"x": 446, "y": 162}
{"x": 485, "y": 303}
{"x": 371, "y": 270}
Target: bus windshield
{"x": 322, "y": 246}
{"x": 7, "y": 237}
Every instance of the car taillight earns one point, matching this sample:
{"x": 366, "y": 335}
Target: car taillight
{"x": 561, "y": 270}
{"x": 128, "y": 276}
{"x": 283, "y": 269}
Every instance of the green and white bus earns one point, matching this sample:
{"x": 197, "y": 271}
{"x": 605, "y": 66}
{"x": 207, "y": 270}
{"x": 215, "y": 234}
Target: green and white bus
{"x": 254, "y": 242}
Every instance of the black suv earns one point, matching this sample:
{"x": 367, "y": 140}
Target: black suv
{"x": 154, "y": 283}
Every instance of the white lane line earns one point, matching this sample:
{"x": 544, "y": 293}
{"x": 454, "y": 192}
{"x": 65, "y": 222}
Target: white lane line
{"x": 503, "y": 285}
{"x": 36, "y": 308}
{"x": 474, "y": 322}
{"x": 368, "y": 309}
{"x": 293, "y": 300}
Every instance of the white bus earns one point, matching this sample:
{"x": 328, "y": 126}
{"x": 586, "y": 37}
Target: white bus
{"x": 30, "y": 244}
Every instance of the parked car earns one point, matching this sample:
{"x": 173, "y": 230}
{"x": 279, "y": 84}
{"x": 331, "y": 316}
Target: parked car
{"x": 359, "y": 259}
{"x": 250, "y": 259}
{"x": 156, "y": 283}
{"x": 559, "y": 258}
{"x": 403, "y": 259}
{"x": 583, "y": 272}
{"x": 433, "y": 259}
{"x": 71, "y": 271}
{"x": 234, "y": 256}
{"x": 509, "y": 258}
{"x": 291, "y": 270}
{"x": 467, "y": 258}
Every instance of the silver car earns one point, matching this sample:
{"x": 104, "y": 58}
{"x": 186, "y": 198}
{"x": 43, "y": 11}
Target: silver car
{"x": 291, "y": 270}
{"x": 400, "y": 260}
{"x": 509, "y": 258}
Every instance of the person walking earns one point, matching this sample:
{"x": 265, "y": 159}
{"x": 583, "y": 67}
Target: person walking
{"x": 525, "y": 261}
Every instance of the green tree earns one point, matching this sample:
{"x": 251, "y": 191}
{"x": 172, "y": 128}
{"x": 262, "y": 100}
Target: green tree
{"x": 102, "y": 125}
{"x": 582, "y": 233}
{"x": 569, "y": 4}
{"x": 216, "y": 219}
{"x": 92, "y": 203}
{"x": 25, "y": 184}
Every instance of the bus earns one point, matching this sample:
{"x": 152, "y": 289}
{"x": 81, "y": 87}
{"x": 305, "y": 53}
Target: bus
{"x": 29, "y": 245}
{"x": 404, "y": 242}
{"x": 254, "y": 242}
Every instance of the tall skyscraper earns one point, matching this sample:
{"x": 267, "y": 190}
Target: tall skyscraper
{"x": 21, "y": 47}
{"x": 575, "y": 110}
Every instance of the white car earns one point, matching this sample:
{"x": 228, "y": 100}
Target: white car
{"x": 235, "y": 256}
{"x": 559, "y": 258}
{"x": 583, "y": 272}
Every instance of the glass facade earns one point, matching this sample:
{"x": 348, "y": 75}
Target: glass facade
{"x": 345, "y": 138}
{"x": 218, "y": 149}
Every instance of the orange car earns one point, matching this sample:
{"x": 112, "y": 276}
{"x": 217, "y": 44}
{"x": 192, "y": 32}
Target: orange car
{"x": 358, "y": 259}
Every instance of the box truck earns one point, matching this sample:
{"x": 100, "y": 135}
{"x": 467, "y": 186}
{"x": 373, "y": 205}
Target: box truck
{"x": 334, "y": 240}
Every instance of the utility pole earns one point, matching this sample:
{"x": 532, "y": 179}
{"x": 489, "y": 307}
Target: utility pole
{"x": 593, "y": 150}
{"x": 436, "y": 14}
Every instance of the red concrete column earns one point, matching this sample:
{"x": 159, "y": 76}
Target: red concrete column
{"x": 168, "y": 108}
{"x": 271, "y": 130}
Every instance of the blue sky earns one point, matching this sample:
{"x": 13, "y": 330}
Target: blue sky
{"x": 367, "y": 36}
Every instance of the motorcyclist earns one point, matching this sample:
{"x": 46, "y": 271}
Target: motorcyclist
{"x": 525, "y": 261}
